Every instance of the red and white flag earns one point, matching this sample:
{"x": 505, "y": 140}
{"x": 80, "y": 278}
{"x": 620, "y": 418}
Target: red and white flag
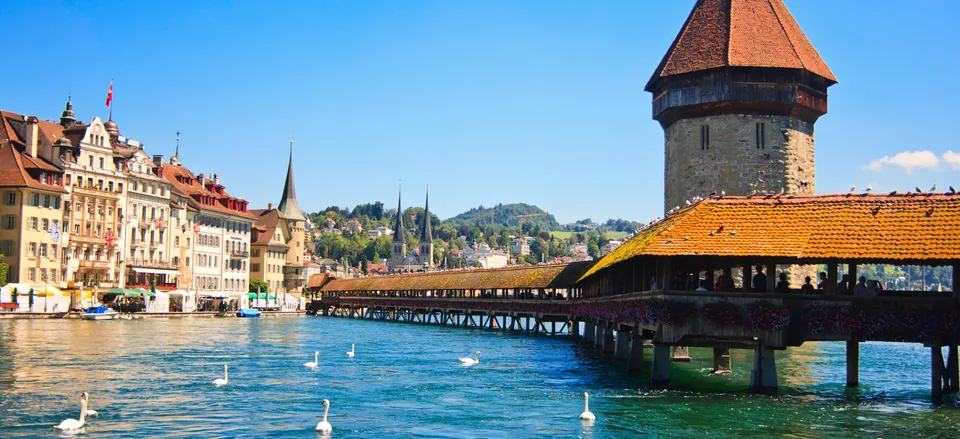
{"x": 110, "y": 94}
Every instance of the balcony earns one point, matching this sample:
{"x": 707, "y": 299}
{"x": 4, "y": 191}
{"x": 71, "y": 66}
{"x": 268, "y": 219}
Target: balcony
{"x": 83, "y": 263}
{"x": 293, "y": 272}
{"x": 239, "y": 254}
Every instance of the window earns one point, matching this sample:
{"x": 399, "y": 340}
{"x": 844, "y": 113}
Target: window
{"x": 43, "y": 250}
{"x": 10, "y": 198}
{"x": 176, "y": 241}
{"x": 8, "y": 248}
{"x": 101, "y": 163}
{"x": 91, "y": 161}
{"x": 46, "y": 201}
{"x": 32, "y": 250}
{"x": 255, "y": 267}
{"x": 53, "y": 275}
{"x": 188, "y": 262}
{"x": 32, "y": 223}
{"x": 704, "y": 137}
{"x": 761, "y": 136}
{"x": 32, "y": 274}
{"x": 46, "y": 224}
{"x": 55, "y": 202}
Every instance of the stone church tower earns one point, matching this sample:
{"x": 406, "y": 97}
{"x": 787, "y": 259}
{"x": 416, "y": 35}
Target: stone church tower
{"x": 738, "y": 94}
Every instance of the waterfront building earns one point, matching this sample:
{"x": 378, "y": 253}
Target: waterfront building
{"x": 278, "y": 241}
{"x": 182, "y": 238}
{"x": 93, "y": 214}
{"x": 31, "y": 187}
{"x": 221, "y": 232}
{"x": 148, "y": 251}
{"x": 738, "y": 94}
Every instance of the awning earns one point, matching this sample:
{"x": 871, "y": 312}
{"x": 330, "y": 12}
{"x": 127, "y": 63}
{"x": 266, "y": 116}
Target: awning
{"x": 253, "y": 296}
{"x": 123, "y": 292}
{"x": 144, "y": 292}
{"x": 154, "y": 270}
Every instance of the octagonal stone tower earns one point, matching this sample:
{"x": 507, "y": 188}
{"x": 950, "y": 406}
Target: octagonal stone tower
{"x": 738, "y": 94}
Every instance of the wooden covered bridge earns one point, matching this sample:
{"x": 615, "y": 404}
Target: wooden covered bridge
{"x": 690, "y": 280}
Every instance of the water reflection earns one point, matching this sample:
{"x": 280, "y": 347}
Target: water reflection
{"x": 152, "y": 378}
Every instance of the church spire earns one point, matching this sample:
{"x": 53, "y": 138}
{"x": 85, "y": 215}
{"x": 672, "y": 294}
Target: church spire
{"x": 67, "y": 118}
{"x": 288, "y": 206}
{"x": 398, "y": 226}
{"x": 175, "y": 159}
{"x": 427, "y": 234}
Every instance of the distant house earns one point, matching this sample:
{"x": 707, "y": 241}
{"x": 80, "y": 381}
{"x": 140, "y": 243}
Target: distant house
{"x": 609, "y": 247}
{"x": 353, "y": 225}
{"x": 578, "y": 250}
{"x": 378, "y": 232}
{"x": 485, "y": 256}
{"x": 377, "y": 269}
{"x": 329, "y": 223}
{"x": 519, "y": 246}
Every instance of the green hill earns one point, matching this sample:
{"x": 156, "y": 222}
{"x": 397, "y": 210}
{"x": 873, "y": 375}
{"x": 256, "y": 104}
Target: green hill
{"x": 505, "y": 215}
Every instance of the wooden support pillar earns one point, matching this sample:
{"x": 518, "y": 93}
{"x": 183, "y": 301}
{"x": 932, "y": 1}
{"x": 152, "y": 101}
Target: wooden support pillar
{"x": 598, "y": 337}
{"x": 956, "y": 280}
{"x": 952, "y": 377}
{"x": 661, "y": 364}
{"x": 721, "y": 360}
{"x": 771, "y": 277}
{"x": 747, "y": 276}
{"x": 853, "y": 363}
{"x": 681, "y": 354}
{"x": 607, "y": 347}
{"x": 832, "y": 279}
{"x": 589, "y": 331}
{"x": 711, "y": 282}
{"x": 853, "y": 279}
{"x": 621, "y": 351}
{"x": 936, "y": 372}
{"x": 764, "y": 374}
{"x": 635, "y": 359}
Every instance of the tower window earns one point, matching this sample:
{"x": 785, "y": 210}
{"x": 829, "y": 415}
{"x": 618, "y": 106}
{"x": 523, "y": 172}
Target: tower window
{"x": 761, "y": 136}
{"x": 704, "y": 137}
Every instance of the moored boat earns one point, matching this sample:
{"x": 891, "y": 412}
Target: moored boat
{"x": 248, "y": 312}
{"x": 99, "y": 313}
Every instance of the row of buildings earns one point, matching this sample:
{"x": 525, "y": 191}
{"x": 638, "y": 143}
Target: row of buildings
{"x": 84, "y": 206}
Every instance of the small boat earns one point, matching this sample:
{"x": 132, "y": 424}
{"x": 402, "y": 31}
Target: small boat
{"x": 248, "y": 312}
{"x": 99, "y": 313}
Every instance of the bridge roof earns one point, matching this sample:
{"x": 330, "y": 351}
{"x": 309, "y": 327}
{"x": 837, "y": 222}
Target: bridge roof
{"x": 528, "y": 276}
{"x": 914, "y": 228}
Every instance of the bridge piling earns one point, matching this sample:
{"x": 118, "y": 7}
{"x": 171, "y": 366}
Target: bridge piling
{"x": 635, "y": 359}
{"x": 589, "y": 331}
{"x": 598, "y": 338}
{"x": 936, "y": 372}
{"x": 607, "y": 346}
{"x": 952, "y": 370}
{"x": 853, "y": 363}
{"x": 721, "y": 361}
{"x": 621, "y": 351}
{"x": 661, "y": 364}
{"x": 763, "y": 377}
{"x": 574, "y": 329}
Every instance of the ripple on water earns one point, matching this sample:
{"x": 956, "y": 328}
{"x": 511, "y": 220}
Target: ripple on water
{"x": 152, "y": 378}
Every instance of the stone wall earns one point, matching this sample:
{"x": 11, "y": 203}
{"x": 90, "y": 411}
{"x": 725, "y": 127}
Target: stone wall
{"x": 733, "y": 161}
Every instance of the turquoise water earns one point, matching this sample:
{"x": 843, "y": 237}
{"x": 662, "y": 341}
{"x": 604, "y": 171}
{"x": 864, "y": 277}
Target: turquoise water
{"x": 152, "y": 378}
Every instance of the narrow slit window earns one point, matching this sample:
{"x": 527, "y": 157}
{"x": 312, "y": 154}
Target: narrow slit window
{"x": 761, "y": 136}
{"x": 704, "y": 137}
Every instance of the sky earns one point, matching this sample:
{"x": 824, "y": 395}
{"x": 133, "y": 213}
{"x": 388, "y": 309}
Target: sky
{"x": 489, "y": 101}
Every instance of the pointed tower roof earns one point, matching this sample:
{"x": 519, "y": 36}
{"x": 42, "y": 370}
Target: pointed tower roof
{"x": 398, "y": 226}
{"x": 288, "y": 206}
{"x": 740, "y": 33}
{"x": 67, "y": 118}
{"x": 175, "y": 158}
{"x": 427, "y": 234}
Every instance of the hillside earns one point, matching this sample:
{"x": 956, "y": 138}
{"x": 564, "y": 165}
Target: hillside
{"x": 505, "y": 215}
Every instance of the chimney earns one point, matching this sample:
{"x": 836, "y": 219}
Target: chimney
{"x": 31, "y": 136}
{"x": 269, "y": 206}
{"x": 216, "y": 178}
{"x": 158, "y": 160}
{"x": 200, "y": 179}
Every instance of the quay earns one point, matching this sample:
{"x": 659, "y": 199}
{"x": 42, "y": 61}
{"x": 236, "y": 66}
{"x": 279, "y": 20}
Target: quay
{"x": 143, "y": 315}
{"x": 645, "y": 289}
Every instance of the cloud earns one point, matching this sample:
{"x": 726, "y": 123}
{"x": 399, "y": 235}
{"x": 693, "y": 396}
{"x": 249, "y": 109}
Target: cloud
{"x": 912, "y": 160}
{"x": 952, "y": 159}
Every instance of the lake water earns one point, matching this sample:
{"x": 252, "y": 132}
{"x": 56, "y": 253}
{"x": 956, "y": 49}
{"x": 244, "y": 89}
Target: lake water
{"x": 152, "y": 378}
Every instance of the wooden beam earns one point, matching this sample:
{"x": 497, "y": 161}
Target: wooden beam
{"x": 831, "y": 287}
{"x": 771, "y": 276}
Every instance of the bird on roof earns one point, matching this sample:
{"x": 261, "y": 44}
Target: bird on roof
{"x": 853, "y": 189}
{"x": 918, "y": 190}
{"x": 723, "y": 193}
{"x": 934, "y": 188}
{"x": 713, "y": 194}
{"x": 868, "y": 189}
{"x": 782, "y": 190}
{"x": 892, "y": 193}
{"x": 952, "y": 191}
{"x": 753, "y": 192}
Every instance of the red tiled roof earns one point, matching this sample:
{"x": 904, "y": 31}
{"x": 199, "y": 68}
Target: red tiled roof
{"x": 855, "y": 227}
{"x": 318, "y": 280}
{"x": 528, "y": 276}
{"x": 193, "y": 189}
{"x": 13, "y": 172}
{"x": 267, "y": 221}
{"x": 740, "y": 33}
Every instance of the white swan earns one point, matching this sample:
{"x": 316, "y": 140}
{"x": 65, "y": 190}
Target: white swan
{"x": 316, "y": 361}
{"x": 587, "y": 415}
{"x": 73, "y": 424}
{"x": 471, "y": 361}
{"x": 350, "y": 354}
{"x": 90, "y": 412}
{"x": 222, "y": 381}
{"x": 324, "y": 426}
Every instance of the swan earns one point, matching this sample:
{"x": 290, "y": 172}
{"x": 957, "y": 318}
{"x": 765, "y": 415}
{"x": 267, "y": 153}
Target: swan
{"x": 350, "y": 354}
{"x": 587, "y": 415}
{"x": 324, "y": 426}
{"x": 316, "y": 361}
{"x": 90, "y": 412}
{"x": 222, "y": 381}
{"x": 73, "y": 424}
{"x": 471, "y": 361}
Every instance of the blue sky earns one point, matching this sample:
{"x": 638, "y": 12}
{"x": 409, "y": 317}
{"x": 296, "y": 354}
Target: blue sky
{"x": 490, "y": 101}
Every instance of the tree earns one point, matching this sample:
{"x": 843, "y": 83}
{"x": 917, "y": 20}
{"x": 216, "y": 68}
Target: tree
{"x": 363, "y": 266}
{"x": 4, "y": 268}
{"x": 258, "y": 285}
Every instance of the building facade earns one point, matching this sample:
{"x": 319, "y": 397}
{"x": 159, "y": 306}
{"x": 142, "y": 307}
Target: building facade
{"x": 32, "y": 200}
{"x": 278, "y": 244}
{"x": 738, "y": 94}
